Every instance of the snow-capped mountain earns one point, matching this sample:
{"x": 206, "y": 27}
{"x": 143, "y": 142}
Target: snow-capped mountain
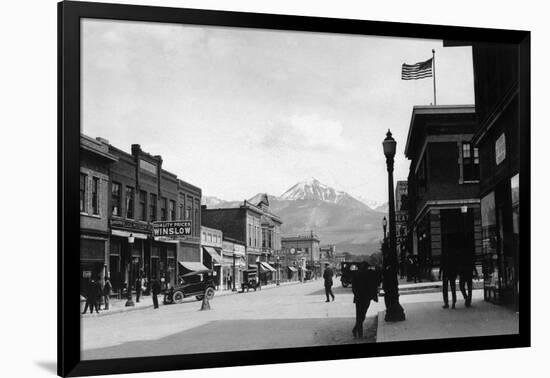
{"x": 313, "y": 189}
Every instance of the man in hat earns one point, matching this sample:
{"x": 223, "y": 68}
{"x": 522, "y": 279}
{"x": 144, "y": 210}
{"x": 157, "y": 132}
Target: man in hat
{"x": 327, "y": 275}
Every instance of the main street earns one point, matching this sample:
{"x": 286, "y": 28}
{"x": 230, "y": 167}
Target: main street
{"x": 289, "y": 315}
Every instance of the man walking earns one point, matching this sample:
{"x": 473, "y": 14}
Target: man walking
{"x": 449, "y": 274}
{"x": 91, "y": 297}
{"x": 107, "y": 292}
{"x": 466, "y": 272}
{"x": 365, "y": 288}
{"x": 155, "y": 290}
{"x": 327, "y": 275}
{"x": 138, "y": 285}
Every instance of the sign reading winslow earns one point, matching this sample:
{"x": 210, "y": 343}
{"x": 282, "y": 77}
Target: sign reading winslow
{"x": 172, "y": 229}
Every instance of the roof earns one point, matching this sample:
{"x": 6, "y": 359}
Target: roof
{"x": 420, "y": 112}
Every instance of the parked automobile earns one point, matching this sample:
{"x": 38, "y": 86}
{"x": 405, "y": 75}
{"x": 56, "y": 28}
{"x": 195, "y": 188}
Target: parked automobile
{"x": 250, "y": 280}
{"x": 198, "y": 284}
{"x": 348, "y": 269}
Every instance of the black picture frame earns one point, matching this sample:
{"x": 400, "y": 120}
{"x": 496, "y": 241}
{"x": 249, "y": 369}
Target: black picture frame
{"x": 69, "y": 16}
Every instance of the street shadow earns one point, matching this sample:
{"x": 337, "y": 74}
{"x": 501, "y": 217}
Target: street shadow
{"x": 244, "y": 335}
{"x": 337, "y": 289}
{"x": 49, "y": 366}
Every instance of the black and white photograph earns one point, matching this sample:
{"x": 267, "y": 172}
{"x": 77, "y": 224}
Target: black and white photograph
{"x": 245, "y": 189}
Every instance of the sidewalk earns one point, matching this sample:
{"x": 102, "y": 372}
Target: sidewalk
{"x": 117, "y": 306}
{"x": 427, "y": 320}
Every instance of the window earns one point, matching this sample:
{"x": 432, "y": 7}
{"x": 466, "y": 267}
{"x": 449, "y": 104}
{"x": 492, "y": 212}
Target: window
{"x": 181, "y": 212}
{"x": 163, "y": 209}
{"x": 204, "y": 236}
{"x": 152, "y": 207}
{"x": 172, "y": 210}
{"x": 470, "y": 162}
{"x": 82, "y": 193}
{"x": 115, "y": 199}
{"x": 142, "y": 205}
{"x": 210, "y": 238}
{"x": 95, "y": 196}
{"x": 129, "y": 202}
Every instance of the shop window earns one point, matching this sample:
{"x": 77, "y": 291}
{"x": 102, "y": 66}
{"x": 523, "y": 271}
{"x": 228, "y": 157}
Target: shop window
{"x": 163, "y": 210}
{"x": 129, "y": 202}
{"x": 142, "y": 205}
{"x": 470, "y": 162}
{"x": 115, "y": 199}
{"x": 152, "y": 207}
{"x": 95, "y": 196}
{"x": 83, "y": 193}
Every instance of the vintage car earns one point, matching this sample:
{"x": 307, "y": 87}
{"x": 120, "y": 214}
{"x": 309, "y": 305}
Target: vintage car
{"x": 250, "y": 280}
{"x": 348, "y": 269}
{"x": 198, "y": 284}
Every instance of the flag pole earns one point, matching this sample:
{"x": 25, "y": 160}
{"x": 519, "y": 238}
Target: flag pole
{"x": 433, "y": 69}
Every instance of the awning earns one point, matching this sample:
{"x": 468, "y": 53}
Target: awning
{"x": 192, "y": 265}
{"x": 228, "y": 261}
{"x": 268, "y": 267}
{"x": 125, "y": 234}
{"x": 213, "y": 253}
{"x": 292, "y": 269}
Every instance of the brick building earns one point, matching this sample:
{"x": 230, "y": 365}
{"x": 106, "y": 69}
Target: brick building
{"x": 95, "y": 162}
{"x": 306, "y": 246}
{"x": 141, "y": 192}
{"x": 443, "y": 185}
{"x": 401, "y": 218}
{"x": 254, "y": 226}
{"x": 212, "y": 244}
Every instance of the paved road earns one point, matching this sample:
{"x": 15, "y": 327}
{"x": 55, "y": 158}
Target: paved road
{"x": 293, "y": 315}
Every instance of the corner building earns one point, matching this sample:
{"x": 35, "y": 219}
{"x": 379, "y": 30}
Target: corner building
{"x": 443, "y": 186}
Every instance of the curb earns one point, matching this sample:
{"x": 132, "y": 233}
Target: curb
{"x": 380, "y": 336}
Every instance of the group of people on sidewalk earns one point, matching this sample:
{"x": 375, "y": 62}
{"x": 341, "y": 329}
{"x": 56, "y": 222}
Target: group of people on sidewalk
{"x": 96, "y": 294}
{"x": 364, "y": 284}
{"x": 455, "y": 266}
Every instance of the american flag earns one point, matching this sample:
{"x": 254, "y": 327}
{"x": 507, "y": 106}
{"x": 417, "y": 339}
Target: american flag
{"x": 417, "y": 71}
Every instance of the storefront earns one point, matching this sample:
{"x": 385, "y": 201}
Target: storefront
{"x": 212, "y": 259}
{"x": 500, "y": 230}
{"x": 92, "y": 260}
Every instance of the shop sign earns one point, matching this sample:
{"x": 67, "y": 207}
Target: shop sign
{"x": 172, "y": 229}
{"x": 130, "y": 225}
{"x": 500, "y": 149}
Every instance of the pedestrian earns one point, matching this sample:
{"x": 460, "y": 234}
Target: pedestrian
{"x": 466, "y": 273}
{"x": 107, "y": 292}
{"x": 98, "y": 294}
{"x": 155, "y": 290}
{"x": 327, "y": 275}
{"x": 365, "y": 288}
{"x": 449, "y": 274}
{"x": 138, "y": 286}
{"x": 91, "y": 297}
{"x": 229, "y": 281}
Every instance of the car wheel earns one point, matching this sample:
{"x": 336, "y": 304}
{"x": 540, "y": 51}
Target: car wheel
{"x": 199, "y": 297}
{"x": 177, "y": 297}
{"x": 209, "y": 293}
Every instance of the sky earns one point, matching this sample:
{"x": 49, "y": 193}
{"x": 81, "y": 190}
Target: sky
{"x": 242, "y": 111}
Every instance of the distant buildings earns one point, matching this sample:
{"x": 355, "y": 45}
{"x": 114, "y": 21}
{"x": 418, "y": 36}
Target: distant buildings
{"x": 254, "y": 226}
{"x": 443, "y": 185}
{"x": 305, "y": 247}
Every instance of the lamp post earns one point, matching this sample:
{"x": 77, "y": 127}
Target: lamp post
{"x": 394, "y": 311}
{"x": 278, "y": 271}
{"x": 384, "y": 225}
{"x": 259, "y": 279}
{"x": 129, "y": 301}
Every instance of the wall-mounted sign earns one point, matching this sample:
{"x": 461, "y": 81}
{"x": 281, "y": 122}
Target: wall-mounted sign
{"x": 500, "y": 149}
{"x": 130, "y": 225}
{"x": 146, "y": 166}
{"x": 172, "y": 229}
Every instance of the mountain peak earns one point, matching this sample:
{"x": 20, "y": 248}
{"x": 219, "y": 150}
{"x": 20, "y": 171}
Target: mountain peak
{"x": 313, "y": 189}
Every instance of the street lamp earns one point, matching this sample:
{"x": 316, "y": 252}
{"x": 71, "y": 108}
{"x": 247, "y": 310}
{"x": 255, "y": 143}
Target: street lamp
{"x": 384, "y": 225}
{"x": 259, "y": 279}
{"x": 130, "y": 301}
{"x": 394, "y": 311}
{"x": 278, "y": 271}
